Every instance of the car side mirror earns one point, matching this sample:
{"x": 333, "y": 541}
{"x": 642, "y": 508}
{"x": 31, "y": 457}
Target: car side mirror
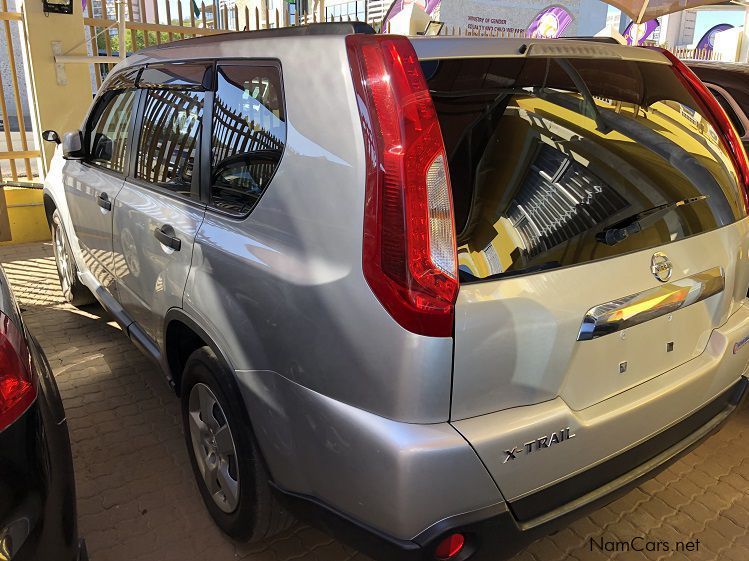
{"x": 72, "y": 146}
{"x": 51, "y": 136}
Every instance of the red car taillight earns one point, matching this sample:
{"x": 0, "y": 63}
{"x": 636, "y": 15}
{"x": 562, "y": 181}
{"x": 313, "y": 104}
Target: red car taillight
{"x": 450, "y": 547}
{"x": 409, "y": 252}
{"x": 718, "y": 118}
{"x": 17, "y": 384}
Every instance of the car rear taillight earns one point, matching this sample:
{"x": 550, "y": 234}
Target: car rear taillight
{"x": 718, "y": 118}
{"x": 17, "y": 383}
{"x": 409, "y": 252}
{"x": 450, "y": 547}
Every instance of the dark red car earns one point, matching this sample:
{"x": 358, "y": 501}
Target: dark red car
{"x": 37, "y": 486}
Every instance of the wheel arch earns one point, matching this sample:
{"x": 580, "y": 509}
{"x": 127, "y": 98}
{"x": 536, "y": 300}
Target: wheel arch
{"x": 175, "y": 354}
{"x": 49, "y": 207}
{"x": 182, "y": 336}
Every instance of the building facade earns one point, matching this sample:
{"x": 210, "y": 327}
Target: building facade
{"x": 547, "y": 18}
{"x": 677, "y": 29}
{"x": 371, "y": 11}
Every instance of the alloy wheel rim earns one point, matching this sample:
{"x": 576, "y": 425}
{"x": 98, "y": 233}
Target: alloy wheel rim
{"x": 62, "y": 259}
{"x": 213, "y": 447}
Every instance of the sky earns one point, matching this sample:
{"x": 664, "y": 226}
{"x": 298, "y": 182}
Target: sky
{"x": 709, "y": 18}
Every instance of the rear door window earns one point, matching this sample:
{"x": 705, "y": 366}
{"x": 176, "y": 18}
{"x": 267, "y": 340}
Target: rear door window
{"x": 557, "y": 162}
{"x": 248, "y": 134}
{"x": 168, "y": 144}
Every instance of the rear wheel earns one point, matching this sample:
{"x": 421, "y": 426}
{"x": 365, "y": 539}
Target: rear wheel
{"x": 230, "y": 473}
{"x": 74, "y": 291}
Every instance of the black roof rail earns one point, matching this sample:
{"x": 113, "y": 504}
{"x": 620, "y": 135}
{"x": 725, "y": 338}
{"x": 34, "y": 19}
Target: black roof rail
{"x": 337, "y": 28}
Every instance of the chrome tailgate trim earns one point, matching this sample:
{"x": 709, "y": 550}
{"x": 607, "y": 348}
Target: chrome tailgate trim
{"x": 638, "y": 308}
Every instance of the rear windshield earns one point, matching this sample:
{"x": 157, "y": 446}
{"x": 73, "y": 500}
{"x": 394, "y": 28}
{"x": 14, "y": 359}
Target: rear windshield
{"x": 556, "y": 162}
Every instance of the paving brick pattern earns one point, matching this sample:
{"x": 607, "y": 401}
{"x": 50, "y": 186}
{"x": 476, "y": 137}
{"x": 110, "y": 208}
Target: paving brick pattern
{"x": 137, "y": 500}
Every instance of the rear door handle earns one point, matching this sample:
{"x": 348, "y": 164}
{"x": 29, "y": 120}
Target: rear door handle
{"x": 104, "y": 201}
{"x": 166, "y": 236}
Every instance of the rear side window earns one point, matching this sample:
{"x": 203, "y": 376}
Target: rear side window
{"x": 551, "y": 159}
{"x": 107, "y": 130}
{"x": 124, "y": 79}
{"x": 168, "y": 145}
{"x": 183, "y": 76}
{"x": 248, "y": 134}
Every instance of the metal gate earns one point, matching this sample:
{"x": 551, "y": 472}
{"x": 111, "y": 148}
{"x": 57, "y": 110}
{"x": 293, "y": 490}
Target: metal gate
{"x": 19, "y": 145}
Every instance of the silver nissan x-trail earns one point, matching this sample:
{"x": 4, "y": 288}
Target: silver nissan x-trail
{"x": 437, "y": 294}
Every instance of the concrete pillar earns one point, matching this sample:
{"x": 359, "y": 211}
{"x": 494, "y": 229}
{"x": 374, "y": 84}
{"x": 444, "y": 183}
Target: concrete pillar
{"x": 60, "y": 97}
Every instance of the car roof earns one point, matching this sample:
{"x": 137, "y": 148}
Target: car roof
{"x": 312, "y": 29}
{"x": 265, "y": 43}
{"x": 317, "y": 38}
{"x": 426, "y": 46}
{"x": 441, "y": 47}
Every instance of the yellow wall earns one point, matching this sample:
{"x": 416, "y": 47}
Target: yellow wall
{"x": 59, "y": 101}
{"x": 26, "y": 214}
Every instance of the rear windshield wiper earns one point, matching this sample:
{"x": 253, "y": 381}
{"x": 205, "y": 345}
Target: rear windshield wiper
{"x": 636, "y": 223}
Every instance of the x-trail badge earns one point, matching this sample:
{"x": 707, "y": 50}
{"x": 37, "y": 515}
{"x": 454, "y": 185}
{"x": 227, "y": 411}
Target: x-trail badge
{"x": 545, "y": 441}
{"x": 660, "y": 266}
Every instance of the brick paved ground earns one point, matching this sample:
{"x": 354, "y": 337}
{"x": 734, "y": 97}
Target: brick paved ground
{"x": 137, "y": 500}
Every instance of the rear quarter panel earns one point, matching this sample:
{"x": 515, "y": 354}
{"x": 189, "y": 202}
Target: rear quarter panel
{"x": 283, "y": 290}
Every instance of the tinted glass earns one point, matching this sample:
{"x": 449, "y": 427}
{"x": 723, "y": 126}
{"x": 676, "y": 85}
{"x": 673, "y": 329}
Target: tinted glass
{"x": 249, "y": 132}
{"x": 728, "y": 108}
{"x": 168, "y": 145}
{"x": 107, "y": 130}
{"x": 180, "y": 76}
{"x": 559, "y": 162}
{"x": 124, "y": 79}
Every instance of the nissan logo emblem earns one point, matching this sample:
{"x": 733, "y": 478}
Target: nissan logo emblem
{"x": 660, "y": 266}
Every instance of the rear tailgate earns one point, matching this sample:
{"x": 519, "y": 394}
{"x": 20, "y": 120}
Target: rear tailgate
{"x": 598, "y": 222}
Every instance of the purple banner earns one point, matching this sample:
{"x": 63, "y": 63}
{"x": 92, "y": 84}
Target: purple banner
{"x": 397, "y": 7}
{"x": 637, "y": 33}
{"x": 708, "y": 39}
{"x": 549, "y": 23}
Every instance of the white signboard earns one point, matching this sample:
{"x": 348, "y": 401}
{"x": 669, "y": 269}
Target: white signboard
{"x": 507, "y": 16}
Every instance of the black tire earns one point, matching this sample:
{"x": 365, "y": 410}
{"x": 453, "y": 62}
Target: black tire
{"x": 74, "y": 291}
{"x": 257, "y": 515}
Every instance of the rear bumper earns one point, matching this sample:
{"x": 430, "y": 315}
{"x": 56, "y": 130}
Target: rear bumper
{"x": 397, "y": 478}
{"x": 545, "y": 474}
{"x": 496, "y": 532}
{"x": 403, "y": 480}
{"x": 37, "y": 487}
